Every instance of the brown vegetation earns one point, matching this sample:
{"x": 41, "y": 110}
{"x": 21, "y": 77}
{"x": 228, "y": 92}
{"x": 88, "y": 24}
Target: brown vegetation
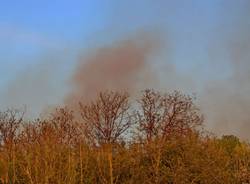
{"x": 95, "y": 145}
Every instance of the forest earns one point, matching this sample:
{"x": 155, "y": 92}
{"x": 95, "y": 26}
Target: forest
{"x": 116, "y": 138}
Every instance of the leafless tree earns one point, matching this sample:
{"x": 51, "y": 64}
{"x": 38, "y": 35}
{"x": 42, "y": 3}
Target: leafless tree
{"x": 63, "y": 121}
{"x": 150, "y": 114}
{"x": 10, "y": 123}
{"x": 163, "y": 114}
{"x": 107, "y": 118}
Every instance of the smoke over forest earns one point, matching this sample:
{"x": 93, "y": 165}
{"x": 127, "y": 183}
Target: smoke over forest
{"x": 123, "y": 92}
{"x": 220, "y": 79}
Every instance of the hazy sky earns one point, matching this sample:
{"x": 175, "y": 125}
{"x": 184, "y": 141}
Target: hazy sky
{"x": 31, "y": 29}
{"x": 205, "y": 41}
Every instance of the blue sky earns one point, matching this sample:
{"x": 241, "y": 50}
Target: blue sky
{"x": 31, "y": 28}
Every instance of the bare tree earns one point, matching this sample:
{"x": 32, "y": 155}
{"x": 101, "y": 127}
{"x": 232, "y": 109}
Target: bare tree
{"x": 107, "y": 118}
{"x": 163, "y": 114}
{"x": 150, "y": 114}
{"x": 10, "y": 123}
{"x": 180, "y": 114}
{"x": 66, "y": 126}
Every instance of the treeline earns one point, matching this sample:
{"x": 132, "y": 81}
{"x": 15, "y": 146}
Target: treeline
{"x": 116, "y": 139}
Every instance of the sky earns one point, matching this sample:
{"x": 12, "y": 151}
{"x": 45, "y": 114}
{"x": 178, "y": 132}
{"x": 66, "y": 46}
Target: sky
{"x": 198, "y": 39}
{"x": 30, "y": 29}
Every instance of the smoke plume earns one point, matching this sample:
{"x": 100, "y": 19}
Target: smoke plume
{"x": 122, "y": 66}
{"x": 226, "y": 101}
{"x": 36, "y": 87}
